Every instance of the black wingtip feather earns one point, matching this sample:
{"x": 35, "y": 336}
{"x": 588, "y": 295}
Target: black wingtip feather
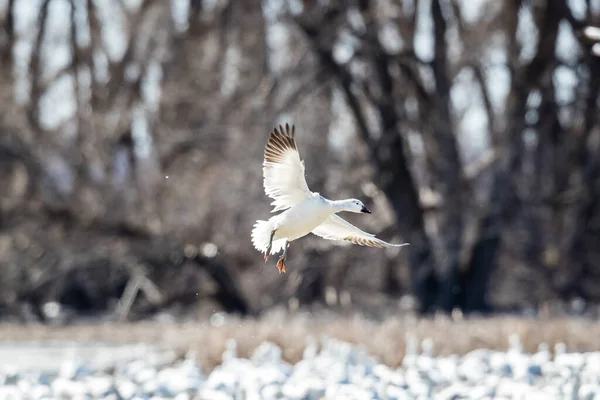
{"x": 279, "y": 140}
{"x": 288, "y": 131}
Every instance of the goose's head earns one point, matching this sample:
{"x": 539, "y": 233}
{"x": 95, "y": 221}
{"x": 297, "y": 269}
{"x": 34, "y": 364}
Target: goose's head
{"x": 355, "y": 206}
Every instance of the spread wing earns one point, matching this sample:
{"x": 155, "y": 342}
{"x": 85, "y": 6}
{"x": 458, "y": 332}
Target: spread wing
{"x": 283, "y": 170}
{"x": 336, "y": 228}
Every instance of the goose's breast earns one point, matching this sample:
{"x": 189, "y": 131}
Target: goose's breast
{"x": 301, "y": 220}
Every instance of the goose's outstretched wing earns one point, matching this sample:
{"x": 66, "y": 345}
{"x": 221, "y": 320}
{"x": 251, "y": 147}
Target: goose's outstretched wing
{"x": 336, "y": 228}
{"x": 283, "y": 170}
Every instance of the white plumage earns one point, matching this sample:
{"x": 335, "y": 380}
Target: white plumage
{"x": 305, "y": 211}
{"x": 593, "y": 34}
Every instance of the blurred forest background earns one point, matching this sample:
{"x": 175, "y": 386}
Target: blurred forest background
{"x": 132, "y": 134}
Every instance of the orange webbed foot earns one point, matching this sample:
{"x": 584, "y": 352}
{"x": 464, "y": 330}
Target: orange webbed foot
{"x": 281, "y": 266}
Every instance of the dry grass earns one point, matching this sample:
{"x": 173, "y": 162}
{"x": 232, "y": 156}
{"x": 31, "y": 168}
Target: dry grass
{"x": 384, "y": 340}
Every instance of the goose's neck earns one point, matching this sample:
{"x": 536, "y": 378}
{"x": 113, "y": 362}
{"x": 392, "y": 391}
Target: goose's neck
{"x": 338, "y": 205}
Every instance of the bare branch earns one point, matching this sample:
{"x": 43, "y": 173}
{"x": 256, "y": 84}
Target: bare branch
{"x": 9, "y": 29}
{"x": 35, "y": 67}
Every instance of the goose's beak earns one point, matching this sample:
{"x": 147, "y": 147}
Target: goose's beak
{"x": 365, "y": 210}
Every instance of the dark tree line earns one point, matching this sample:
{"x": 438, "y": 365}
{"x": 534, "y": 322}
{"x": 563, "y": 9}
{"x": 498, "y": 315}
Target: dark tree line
{"x": 133, "y": 162}
{"x": 543, "y": 196}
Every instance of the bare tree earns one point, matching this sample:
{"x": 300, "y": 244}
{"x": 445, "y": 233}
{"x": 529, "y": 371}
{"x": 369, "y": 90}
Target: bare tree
{"x": 482, "y": 203}
{"x": 93, "y": 174}
{"x": 131, "y": 137}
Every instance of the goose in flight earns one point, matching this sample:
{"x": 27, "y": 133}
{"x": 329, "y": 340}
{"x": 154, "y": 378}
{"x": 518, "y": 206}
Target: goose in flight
{"x": 305, "y": 211}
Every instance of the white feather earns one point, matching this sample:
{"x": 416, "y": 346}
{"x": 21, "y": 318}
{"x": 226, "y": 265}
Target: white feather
{"x": 337, "y": 228}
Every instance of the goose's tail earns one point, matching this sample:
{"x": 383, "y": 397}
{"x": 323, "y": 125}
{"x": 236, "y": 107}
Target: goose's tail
{"x": 260, "y": 237}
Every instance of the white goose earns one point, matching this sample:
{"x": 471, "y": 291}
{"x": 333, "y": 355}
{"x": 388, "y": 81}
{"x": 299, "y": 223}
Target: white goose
{"x": 305, "y": 211}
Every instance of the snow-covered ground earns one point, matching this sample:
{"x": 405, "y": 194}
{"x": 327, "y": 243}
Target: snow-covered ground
{"x": 328, "y": 370}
